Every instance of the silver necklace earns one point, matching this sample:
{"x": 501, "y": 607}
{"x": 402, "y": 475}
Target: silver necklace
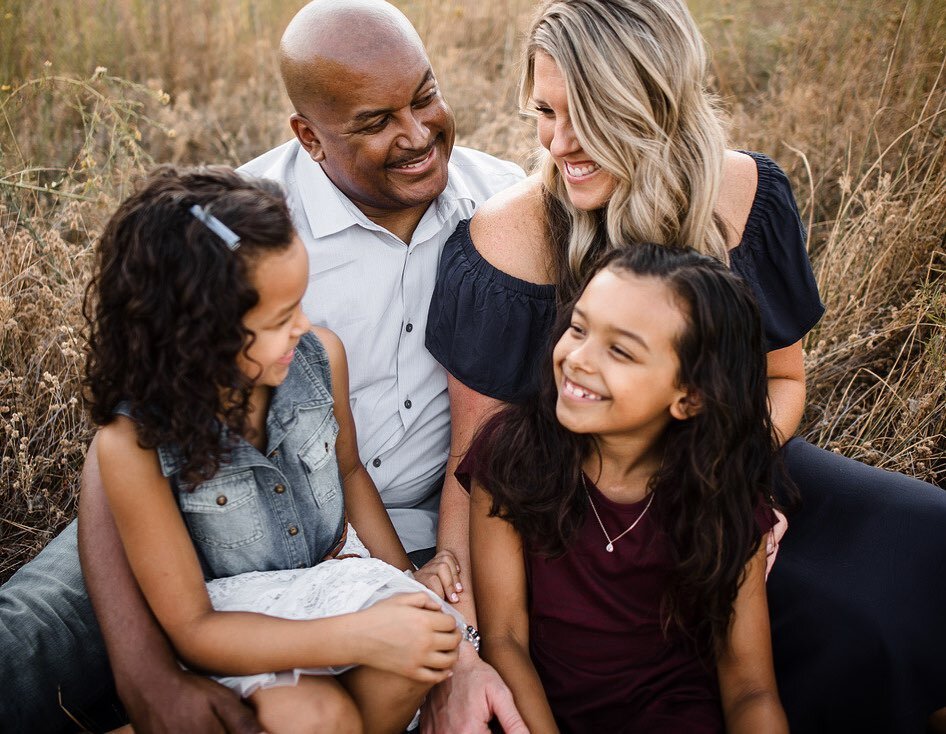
{"x": 610, "y": 546}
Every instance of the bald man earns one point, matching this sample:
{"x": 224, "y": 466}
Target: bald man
{"x": 376, "y": 186}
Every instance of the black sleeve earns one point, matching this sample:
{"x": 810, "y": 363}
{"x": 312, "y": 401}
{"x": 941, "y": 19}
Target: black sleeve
{"x": 487, "y": 328}
{"x": 773, "y": 260}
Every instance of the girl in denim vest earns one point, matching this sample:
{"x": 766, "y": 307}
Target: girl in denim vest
{"x": 227, "y": 452}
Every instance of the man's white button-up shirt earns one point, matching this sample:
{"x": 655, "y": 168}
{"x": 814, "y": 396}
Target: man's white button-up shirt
{"x": 372, "y": 290}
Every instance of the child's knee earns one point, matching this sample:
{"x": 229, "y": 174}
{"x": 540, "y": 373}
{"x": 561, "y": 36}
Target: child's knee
{"x": 313, "y": 711}
{"x": 336, "y": 713}
{"x": 408, "y": 688}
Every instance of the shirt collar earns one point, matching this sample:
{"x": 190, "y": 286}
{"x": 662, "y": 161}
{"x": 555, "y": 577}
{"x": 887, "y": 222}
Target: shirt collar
{"x": 328, "y": 211}
{"x": 457, "y": 189}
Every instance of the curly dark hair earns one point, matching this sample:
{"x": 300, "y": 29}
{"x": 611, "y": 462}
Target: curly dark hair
{"x": 718, "y": 467}
{"x": 165, "y": 307}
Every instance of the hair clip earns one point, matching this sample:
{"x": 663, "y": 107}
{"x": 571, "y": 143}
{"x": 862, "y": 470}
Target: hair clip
{"x": 222, "y": 231}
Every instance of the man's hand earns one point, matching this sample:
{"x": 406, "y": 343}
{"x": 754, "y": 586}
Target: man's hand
{"x": 467, "y": 702}
{"x": 441, "y": 574}
{"x": 188, "y": 702}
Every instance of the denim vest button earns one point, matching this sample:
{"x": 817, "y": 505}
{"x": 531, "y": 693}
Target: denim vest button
{"x": 222, "y": 500}
{"x": 279, "y": 489}
{"x": 376, "y": 463}
{"x": 293, "y": 530}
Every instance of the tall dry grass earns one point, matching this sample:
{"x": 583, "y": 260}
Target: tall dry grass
{"x": 848, "y": 97}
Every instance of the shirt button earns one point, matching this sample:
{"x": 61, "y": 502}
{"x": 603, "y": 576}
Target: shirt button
{"x": 222, "y": 500}
{"x": 274, "y": 454}
{"x": 293, "y": 530}
{"x": 279, "y": 489}
{"x": 409, "y": 328}
{"x": 376, "y": 463}
{"x": 408, "y": 404}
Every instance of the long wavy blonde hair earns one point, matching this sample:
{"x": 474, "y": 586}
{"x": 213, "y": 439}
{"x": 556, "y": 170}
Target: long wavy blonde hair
{"x": 635, "y": 75}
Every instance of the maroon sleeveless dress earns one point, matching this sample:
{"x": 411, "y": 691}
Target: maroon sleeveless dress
{"x": 594, "y": 629}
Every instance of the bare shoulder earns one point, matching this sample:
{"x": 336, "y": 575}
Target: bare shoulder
{"x": 737, "y": 192}
{"x": 740, "y": 174}
{"x": 510, "y": 232}
{"x": 334, "y": 347}
{"x": 117, "y": 438}
{"x": 120, "y": 455}
{"x": 330, "y": 340}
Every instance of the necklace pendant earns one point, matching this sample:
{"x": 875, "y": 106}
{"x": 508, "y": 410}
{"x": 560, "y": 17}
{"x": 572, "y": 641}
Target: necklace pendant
{"x": 610, "y": 546}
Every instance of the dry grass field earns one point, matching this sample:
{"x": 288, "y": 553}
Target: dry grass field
{"x": 849, "y": 97}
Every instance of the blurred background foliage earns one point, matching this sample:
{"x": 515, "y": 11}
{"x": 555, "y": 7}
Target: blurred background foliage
{"x": 849, "y": 97}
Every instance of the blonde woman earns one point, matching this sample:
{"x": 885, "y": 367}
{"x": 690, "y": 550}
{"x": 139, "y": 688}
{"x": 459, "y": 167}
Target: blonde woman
{"x": 634, "y": 152}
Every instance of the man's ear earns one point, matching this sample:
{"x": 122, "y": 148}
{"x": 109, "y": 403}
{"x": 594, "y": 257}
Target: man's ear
{"x": 689, "y": 404}
{"x": 307, "y": 136}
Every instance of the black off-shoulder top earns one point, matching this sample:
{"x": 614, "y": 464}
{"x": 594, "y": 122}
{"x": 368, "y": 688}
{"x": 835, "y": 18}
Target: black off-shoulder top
{"x": 488, "y": 328}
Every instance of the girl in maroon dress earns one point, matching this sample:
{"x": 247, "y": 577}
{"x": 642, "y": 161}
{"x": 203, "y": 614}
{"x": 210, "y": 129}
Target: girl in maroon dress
{"x": 618, "y": 520}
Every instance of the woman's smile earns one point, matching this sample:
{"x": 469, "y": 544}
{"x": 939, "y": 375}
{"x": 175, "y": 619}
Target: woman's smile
{"x": 589, "y": 186}
{"x": 580, "y": 171}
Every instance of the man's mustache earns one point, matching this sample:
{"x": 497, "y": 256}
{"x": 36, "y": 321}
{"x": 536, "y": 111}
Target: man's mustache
{"x": 415, "y": 155}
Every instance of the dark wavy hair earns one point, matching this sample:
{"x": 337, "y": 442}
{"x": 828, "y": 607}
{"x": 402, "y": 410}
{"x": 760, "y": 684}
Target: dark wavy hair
{"x": 165, "y": 309}
{"x": 717, "y": 467}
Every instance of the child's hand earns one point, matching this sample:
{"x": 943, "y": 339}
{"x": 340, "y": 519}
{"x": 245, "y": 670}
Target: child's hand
{"x": 408, "y": 634}
{"x": 441, "y": 574}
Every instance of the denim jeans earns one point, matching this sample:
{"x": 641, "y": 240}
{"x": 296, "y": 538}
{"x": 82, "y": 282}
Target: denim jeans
{"x": 51, "y": 650}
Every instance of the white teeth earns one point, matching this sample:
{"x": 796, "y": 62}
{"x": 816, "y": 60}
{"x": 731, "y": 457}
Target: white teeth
{"x": 419, "y": 163}
{"x": 579, "y": 392}
{"x": 585, "y": 169}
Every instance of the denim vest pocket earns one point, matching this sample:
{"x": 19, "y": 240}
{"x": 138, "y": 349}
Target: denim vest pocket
{"x": 223, "y": 512}
{"x": 321, "y": 466}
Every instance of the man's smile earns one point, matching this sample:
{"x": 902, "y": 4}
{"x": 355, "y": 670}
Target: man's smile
{"x": 418, "y": 163}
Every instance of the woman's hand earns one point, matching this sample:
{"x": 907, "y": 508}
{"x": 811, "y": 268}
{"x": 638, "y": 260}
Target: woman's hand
{"x": 441, "y": 574}
{"x": 410, "y": 635}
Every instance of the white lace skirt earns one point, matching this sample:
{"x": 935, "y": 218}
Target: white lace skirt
{"x": 331, "y": 588}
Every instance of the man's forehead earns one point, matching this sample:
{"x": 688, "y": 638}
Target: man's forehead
{"x": 352, "y": 93}
{"x": 397, "y": 96}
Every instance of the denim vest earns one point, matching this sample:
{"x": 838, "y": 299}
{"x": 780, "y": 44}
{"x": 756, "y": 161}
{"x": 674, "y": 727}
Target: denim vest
{"x": 282, "y": 510}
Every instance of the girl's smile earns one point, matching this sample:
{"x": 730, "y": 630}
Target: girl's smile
{"x": 574, "y": 391}
{"x": 286, "y": 359}
{"x": 277, "y": 320}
